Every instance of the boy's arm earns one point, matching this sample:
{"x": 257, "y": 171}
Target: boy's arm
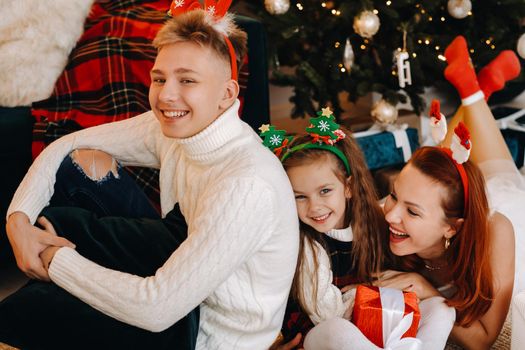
{"x": 327, "y": 297}
{"x": 230, "y": 225}
{"x": 132, "y": 141}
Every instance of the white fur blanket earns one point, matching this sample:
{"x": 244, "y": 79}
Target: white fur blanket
{"x": 36, "y": 38}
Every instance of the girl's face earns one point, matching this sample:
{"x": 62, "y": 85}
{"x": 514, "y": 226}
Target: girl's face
{"x": 416, "y": 218}
{"x": 320, "y": 195}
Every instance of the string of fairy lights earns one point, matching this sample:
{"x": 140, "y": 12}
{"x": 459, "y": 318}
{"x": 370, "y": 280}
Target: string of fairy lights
{"x": 366, "y": 24}
{"x": 328, "y": 5}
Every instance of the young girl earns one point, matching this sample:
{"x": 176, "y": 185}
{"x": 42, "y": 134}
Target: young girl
{"x": 441, "y": 224}
{"x": 342, "y": 231}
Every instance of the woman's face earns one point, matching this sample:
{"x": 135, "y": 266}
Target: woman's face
{"x": 415, "y": 216}
{"x": 320, "y": 195}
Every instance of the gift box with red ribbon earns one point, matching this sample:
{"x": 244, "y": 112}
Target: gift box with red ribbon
{"x": 387, "y": 317}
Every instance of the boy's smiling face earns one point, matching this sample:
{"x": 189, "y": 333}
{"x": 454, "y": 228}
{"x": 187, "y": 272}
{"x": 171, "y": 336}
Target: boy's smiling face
{"x": 190, "y": 87}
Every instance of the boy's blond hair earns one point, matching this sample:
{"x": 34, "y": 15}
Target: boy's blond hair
{"x": 198, "y": 27}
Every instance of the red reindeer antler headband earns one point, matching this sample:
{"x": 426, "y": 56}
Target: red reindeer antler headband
{"x": 218, "y": 10}
{"x": 460, "y": 145}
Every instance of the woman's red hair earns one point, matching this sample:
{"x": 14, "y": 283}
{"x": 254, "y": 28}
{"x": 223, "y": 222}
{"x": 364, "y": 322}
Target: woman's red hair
{"x": 469, "y": 253}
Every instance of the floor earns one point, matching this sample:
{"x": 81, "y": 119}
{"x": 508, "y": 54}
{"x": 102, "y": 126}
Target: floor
{"x": 11, "y": 279}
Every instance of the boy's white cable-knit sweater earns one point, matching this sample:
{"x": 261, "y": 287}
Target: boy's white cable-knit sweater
{"x": 240, "y": 255}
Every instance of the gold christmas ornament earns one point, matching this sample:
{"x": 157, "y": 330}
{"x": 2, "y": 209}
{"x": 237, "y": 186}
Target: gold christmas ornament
{"x": 277, "y": 7}
{"x": 459, "y": 8}
{"x": 366, "y": 24}
{"x": 521, "y": 46}
{"x": 384, "y": 113}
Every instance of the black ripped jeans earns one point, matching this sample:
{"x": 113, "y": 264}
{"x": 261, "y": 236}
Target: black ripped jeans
{"x": 113, "y": 224}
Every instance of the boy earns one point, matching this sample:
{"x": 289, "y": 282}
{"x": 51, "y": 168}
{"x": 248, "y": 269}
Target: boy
{"x": 240, "y": 254}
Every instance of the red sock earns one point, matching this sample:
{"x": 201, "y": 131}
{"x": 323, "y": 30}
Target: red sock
{"x": 457, "y": 50}
{"x": 506, "y": 66}
{"x": 460, "y": 71}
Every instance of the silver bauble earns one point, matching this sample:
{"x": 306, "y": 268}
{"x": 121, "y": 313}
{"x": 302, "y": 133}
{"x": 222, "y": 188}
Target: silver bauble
{"x": 366, "y": 24}
{"x": 384, "y": 113}
{"x": 521, "y": 46}
{"x": 277, "y": 7}
{"x": 459, "y": 8}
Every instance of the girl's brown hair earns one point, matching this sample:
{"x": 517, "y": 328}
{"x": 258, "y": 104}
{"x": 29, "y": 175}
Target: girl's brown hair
{"x": 469, "y": 253}
{"x": 362, "y": 212}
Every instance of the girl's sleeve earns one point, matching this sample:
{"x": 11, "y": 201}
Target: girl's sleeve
{"x": 229, "y": 227}
{"x": 133, "y": 141}
{"x": 329, "y": 299}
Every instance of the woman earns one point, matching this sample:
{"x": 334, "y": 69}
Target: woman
{"x": 447, "y": 234}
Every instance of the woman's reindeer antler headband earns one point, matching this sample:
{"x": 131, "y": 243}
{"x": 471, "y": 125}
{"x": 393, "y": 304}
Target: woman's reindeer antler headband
{"x": 323, "y": 129}
{"x": 222, "y": 21}
{"x": 460, "y": 145}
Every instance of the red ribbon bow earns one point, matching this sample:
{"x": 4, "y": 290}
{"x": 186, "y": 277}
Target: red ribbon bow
{"x": 316, "y": 138}
{"x": 279, "y": 150}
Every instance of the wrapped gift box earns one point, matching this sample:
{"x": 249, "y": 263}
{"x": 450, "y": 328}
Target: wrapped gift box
{"x": 381, "y": 150}
{"x": 385, "y": 315}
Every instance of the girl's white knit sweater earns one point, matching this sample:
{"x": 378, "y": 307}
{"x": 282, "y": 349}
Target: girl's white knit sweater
{"x": 240, "y": 255}
{"x": 330, "y": 301}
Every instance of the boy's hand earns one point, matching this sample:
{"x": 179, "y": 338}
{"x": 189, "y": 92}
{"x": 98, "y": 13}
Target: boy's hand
{"x": 292, "y": 344}
{"x": 29, "y": 241}
{"x": 47, "y": 256}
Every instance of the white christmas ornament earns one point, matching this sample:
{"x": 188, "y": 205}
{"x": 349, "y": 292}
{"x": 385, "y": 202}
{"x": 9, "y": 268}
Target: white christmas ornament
{"x": 384, "y": 113}
{"x": 277, "y": 7}
{"x": 403, "y": 68}
{"x": 348, "y": 56}
{"x": 521, "y": 46}
{"x": 366, "y": 24}
{"x": 459, "y": 8}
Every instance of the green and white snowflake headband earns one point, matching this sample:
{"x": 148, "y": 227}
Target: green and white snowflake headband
{"x": 325, "y": 133}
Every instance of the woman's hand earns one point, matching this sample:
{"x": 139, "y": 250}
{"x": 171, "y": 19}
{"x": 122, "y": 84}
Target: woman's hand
{"x": 407, "y": 282}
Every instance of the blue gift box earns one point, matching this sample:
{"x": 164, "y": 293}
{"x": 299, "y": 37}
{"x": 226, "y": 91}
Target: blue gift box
{"x": 380, "y": 149}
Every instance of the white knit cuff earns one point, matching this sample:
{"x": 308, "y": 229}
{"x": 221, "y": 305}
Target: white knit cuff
{"x": 473, "y": 98}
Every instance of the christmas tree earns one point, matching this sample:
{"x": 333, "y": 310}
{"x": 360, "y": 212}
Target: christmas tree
{"x": 351, "y": 46}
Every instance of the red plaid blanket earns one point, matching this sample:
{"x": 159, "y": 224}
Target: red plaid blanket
{"x": 107, "y": 76}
